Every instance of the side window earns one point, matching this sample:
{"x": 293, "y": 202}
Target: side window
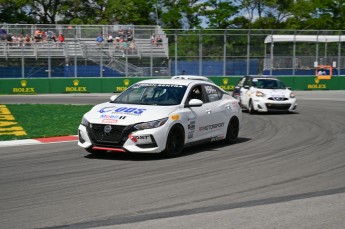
{"x": 241, "y": 82}
{"x": 213, "y": 93}
{"x": 247, "y": 82}
{"x": 196, "y": 93}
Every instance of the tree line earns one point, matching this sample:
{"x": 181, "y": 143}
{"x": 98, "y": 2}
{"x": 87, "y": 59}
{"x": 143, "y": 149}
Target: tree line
{"x": 181, "y": 14}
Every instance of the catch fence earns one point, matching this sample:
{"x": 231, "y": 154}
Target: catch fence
{"x": 203, "y": 52}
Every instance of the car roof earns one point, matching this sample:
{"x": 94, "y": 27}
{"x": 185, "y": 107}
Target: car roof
{"x": 192, "y": 77}
{"x": 184, "y": 82}
{"x": 261, "y": 77}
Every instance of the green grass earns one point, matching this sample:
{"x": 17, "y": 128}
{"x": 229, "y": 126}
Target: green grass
{"x": 41, "y": 120}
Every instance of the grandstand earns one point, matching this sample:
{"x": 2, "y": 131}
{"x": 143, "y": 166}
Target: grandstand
{"x": 81, "y": 48}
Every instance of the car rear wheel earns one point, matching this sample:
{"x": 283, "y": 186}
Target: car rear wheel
{"x": 175, "y": 142}
{"x": 232, "y": 131}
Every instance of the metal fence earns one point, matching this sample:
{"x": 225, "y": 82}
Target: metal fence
{"x": 195, "y": 52}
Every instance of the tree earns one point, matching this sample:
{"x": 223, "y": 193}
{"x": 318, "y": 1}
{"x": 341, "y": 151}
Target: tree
{"x": 45, "y": 11}
{"x": 15, "y": 11}
{"x": 219, "y": 14}
{"x": 180, "y": 14}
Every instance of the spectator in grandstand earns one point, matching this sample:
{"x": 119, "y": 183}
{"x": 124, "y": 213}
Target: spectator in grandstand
{"x": 38, "y": 35}
{"x": 110, "y": 38}
{"x": 132, "y": 46}
{"x": 129, "y": 36}
{"x": 159, "y": 41}
{"x": 14, "y": 40}
{"x": 3, "y": 33}
{"x": 20, "y": 40}
{"x": 8, "y": 38}
{"x": 27, "y": 40}
{"x": 99, "y": 39}
{"x": 53, "y": 39}
{"x": 51, "y": 36}
{"x": 122, "y": 34}
{"x": 183, "y": 72}
{"x": 153, "y": 39}
{"x": 61, "y": 39}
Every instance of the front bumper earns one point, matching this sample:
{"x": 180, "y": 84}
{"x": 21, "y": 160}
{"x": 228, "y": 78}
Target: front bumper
{"x": 122, "y": 139}
{"x": 266, "y": 105}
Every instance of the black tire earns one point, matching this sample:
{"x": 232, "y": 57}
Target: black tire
{"x": 232, "y": 131}
{"x": 175, "y": 142}
{"x": 251, "y": 107}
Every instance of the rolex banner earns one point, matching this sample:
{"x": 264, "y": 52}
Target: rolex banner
{"x": 117, "y": 85}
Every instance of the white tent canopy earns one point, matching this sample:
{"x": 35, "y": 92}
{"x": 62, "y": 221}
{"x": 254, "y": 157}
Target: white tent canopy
{"x": 305, "y": 38}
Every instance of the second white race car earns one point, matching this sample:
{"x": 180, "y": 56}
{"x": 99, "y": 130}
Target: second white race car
{"x": 263, "y": 94}
{"x": 161, "y": 116}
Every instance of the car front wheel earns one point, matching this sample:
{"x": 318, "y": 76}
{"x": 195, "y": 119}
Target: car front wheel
{"x": 251, "y": 109}
{"x": 175, "y": 141}
{"x": 232, "y": 131}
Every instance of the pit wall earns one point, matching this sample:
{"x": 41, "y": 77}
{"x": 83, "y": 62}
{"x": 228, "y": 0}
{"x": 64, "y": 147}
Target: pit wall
{"x": 117, "y": 85}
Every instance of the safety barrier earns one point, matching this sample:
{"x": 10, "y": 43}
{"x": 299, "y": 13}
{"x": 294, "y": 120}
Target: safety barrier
{"x": 116, "y": 85}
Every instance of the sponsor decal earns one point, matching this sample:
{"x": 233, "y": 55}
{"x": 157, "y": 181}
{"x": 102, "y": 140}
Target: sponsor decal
{"x": 225, "y": 85}
{"x": 175, "y": 117}
{"x": 159, "y": 85}
{"x": 141, "y": 139}
{"x": 123, "y": 88}
{"x": 210, "y": 90}
{"x": 23, "y": 88}
{"x": 76, "y": 87}
{"x": 8, "y": 126}
{"x": 317, "y": 85}
{"x": 190, "y": 135}
{"x": 191, "y": 129}
{"x": 106, "y": 116}
{"x": 109, "y": 121}
{"x": 234, "y": 104}
{"x": 122, "y": 110}
{"x": 211, "y": 127}
{"x": 191, "y": 125}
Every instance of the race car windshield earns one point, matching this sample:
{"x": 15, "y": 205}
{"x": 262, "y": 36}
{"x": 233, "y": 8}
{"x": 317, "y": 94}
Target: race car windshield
{"x": 153, "y": 94}
{"x": 268, "y": 84}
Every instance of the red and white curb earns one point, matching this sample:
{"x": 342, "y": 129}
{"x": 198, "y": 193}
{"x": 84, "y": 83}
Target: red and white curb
{"x": 39, "y": 141}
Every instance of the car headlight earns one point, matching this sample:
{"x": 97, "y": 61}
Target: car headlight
{"x": 259, "y": 94}
{"x": 292, "y": 95}
{"x": 84, "y": 122}
{"x": 151, "y": 124}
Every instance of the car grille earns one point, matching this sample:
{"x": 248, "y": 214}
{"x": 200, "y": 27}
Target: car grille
{"x": 278, "y": 98}
{"x": 282, "y": 107}
{"x": 115, "y": 137}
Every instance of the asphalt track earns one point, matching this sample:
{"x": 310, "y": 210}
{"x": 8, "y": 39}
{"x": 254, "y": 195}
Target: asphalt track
{"x": 285, "y": 171}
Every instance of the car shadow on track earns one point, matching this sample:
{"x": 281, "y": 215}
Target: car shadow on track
{"x": 272, "y": 113}
{"x": 188, "y": 151}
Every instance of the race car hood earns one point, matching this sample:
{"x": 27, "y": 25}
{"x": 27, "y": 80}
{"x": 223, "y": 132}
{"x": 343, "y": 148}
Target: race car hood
{"x": 276, "y": 93}
{"x": 127, "y": 114}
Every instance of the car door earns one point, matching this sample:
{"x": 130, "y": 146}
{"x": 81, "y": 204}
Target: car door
{"x": 245, "y": 92}
{"x": 198, "y": 117}
{"x": 219, "y": 111}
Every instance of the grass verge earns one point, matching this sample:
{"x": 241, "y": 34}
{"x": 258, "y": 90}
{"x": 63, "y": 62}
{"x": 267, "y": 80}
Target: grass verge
{"x": 41, "y": 120}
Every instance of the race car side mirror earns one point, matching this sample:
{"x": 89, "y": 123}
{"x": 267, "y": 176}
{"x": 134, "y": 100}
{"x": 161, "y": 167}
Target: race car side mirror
{"x": 113, "y": 97}
{"x": 195, "y": 103}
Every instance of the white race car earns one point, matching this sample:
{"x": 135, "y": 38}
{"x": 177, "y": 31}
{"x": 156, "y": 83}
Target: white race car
{"x": 161, "y": 116}
{"x": 263, "y": 94}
